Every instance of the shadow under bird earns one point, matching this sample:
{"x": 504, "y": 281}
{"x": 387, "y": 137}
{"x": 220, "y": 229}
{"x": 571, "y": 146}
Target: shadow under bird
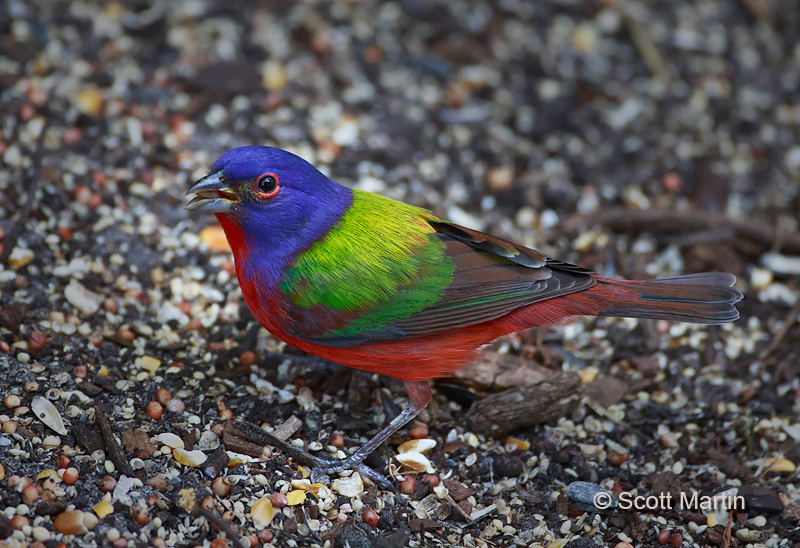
{"x": 375, "y": 284}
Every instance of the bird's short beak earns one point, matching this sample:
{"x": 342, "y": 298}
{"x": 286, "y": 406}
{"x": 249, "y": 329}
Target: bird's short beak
{"x": 211, "y": 194}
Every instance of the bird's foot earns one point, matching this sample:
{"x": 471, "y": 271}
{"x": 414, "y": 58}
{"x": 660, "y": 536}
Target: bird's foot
{"x": 324, "y": 467}
{"x": 320, "y": 466}
{"x": 419, "y": 394}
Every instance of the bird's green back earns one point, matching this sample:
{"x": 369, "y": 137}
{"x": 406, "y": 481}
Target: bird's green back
{"x": 380, "y": 263}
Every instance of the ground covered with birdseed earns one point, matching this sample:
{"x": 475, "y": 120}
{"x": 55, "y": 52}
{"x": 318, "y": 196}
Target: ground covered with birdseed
{"x": 636, "y": 138}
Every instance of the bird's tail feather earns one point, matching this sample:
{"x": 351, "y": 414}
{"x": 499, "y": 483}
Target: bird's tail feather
{"x": 706, "y": 298}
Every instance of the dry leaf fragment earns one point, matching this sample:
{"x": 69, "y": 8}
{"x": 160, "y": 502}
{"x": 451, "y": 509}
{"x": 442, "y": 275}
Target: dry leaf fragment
{"x": 262, "y": 513}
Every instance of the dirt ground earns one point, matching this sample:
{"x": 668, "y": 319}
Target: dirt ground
{"x": 640, "y": 139}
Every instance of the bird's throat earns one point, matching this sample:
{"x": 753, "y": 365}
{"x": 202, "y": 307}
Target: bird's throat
{"x": 235, "y": 236}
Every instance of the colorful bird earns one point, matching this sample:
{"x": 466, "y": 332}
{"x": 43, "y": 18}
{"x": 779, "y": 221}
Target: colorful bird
{"x": 375, "y": 284}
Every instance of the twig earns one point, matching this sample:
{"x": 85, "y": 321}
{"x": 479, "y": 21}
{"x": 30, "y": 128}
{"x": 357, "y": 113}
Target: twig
{"x": 480, "y": 515}
{"x": 760, "y": 9}
{"x": 118, "y": 340}
{"x": 32, "y": 181}
{"x": 115, "y": 452}
{"x": 647, "y": 48}
{"x": 257, "y": 435}
{"x": 500, "y": 413}
{"x": 788, "y": 322}
{"x": 223, "y": 526}
{"x": 287, "y": 429}
{"x": 713, "y": 236}
{"x": 12, "y": 138}
{"x": 654, "y": 220}
{"x": 726, "y": 536}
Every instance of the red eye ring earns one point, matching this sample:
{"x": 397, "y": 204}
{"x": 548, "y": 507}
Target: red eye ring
{"x": 266, "y": 185}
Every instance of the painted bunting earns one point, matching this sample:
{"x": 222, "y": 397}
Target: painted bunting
{"x": 375, "y": 284}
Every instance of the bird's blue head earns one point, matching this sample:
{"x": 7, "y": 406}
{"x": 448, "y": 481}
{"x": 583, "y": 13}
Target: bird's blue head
{"x": 269, "y": 201}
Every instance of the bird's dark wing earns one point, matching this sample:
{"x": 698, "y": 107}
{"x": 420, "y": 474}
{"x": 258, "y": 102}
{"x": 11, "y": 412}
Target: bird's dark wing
{"x": 492, "y": 277}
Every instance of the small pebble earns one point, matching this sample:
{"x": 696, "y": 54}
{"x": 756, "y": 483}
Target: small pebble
{"x": 748, "y": 535}
{"x": 30, "y": 494}
{"x": 148, "y": 363}
{"x": 221, "y": 486}
{"x": 278, "y": 500}
{"x": 274, "y": 76}
{"x": 591, "y": 493}
{"x": 155, "y": 410}
{"x": 157, "y": 482}
{"x": 760, "y": 278}
{"x": 70, "y": 523}
{"x": 226, "y": 415}
{"x": 175, "y": 406}
{"x": 499, "y": 178}
{"x": 90, "y": 101}
{"x": 107, "y": 484}
{"x": 139, "y": 516}
{"x": 370, "y": 517}
{"x": 248, "y": 358}
{"x": 617, "y": 459}
{"x": 51, "y": 441}
{"x": 419, "y": 431}
{"x": 208, "y": 503}
{"x": 71, "y": 476}
{"x": 779, "y": 465}
{"x": 408, "y": 485}
{"x": 40, "y": 533}
{"x": 337, "y": 440}
{"x": 163, "y": 396}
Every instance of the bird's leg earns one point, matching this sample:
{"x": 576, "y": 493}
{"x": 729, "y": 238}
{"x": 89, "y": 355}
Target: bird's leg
{"x": 419, "y": 395}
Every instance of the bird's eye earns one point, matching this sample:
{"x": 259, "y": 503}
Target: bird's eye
{"x": 267, "y": 185}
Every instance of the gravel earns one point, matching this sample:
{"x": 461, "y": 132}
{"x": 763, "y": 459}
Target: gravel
{"x": 509, "y": 116}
